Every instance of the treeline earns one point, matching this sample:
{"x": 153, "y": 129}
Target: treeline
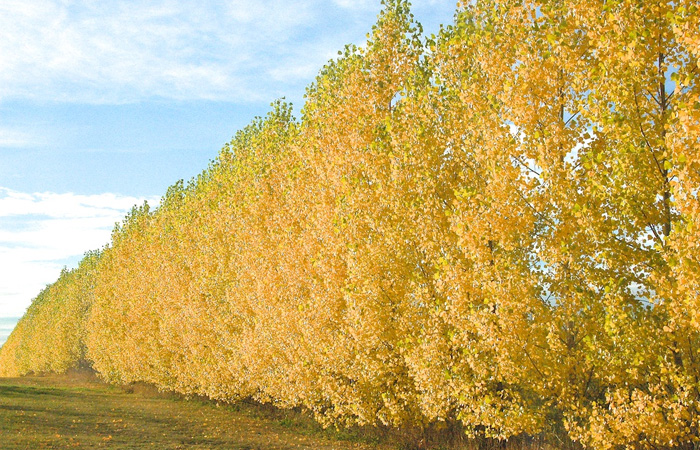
{"x": 497, "y": 227}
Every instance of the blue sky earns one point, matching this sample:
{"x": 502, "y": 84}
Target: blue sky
{"x": 106, "y": 103}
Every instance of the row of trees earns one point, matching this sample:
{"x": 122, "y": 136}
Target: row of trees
{"x": 497, "y": 227}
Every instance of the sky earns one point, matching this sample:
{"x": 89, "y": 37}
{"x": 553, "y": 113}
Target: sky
{"x": 104, "y": 104}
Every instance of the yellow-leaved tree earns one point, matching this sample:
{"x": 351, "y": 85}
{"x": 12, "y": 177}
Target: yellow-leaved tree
{"x": 492, "y": 231}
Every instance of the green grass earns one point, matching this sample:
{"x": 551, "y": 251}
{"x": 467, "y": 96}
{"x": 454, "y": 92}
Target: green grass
{"x": 77, "y": 411}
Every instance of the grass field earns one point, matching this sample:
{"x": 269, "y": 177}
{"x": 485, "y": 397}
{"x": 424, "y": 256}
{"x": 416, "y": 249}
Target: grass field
{"x": 77, "y": 411}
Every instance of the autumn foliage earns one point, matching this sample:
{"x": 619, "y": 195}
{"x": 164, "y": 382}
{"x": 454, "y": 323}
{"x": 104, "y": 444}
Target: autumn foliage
{"x": 496, "y": 227}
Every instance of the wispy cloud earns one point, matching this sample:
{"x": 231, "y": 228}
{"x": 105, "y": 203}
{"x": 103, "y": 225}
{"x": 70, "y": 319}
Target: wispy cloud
{"x": 42, "y": 232}
{"x": 116, "y": 52}
{"x": 111, "y": 51}
{"x": 16, "y": 138}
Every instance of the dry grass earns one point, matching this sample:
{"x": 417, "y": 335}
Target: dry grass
{"x": 76, "y": 410}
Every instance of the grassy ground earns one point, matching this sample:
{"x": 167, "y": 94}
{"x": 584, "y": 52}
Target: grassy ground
{"x": 76, "y": 411}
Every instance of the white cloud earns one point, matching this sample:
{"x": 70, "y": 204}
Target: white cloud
{"x": 53, "y": 205}
{"x": 15, "y": 138}
{"x": 42, "y": 232}
{"x": 114, "y": 52}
